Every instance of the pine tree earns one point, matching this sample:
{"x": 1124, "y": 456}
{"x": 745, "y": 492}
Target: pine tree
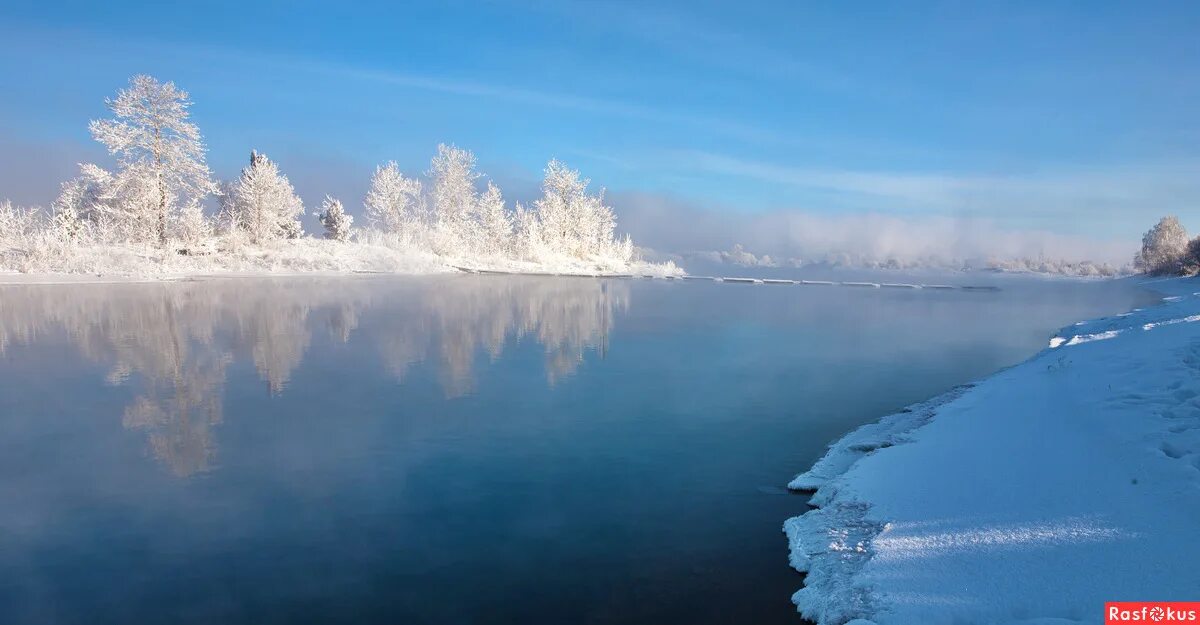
{"x": 262, "y": 203}
{"x": 334, "y": 218}
{"x": 494, "y": 222}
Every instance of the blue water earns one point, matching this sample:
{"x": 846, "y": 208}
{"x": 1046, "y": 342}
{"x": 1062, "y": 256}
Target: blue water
{"x": 453, "y": 449}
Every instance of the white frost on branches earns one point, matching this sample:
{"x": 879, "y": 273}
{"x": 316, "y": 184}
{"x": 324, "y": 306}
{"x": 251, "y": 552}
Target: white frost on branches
{"x": 162, "y": 175}
{"x": 335, "y": 220}
{"x": 1163, "y": 247}
{"x": 565, "y": 224}
{"x": 495, "y": 224}
{"x": 456, "y": 231}
{"x": 570, "y": 222}
{"x": 262, "y": 203}
{"x": 16, "y": 223}
{"x": 394, "y": 203}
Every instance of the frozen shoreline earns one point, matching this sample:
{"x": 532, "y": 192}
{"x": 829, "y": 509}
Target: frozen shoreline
{"x": 1032, "y": 496}
{"x": 29, "y": 279}
{"x": 306, "y": 257}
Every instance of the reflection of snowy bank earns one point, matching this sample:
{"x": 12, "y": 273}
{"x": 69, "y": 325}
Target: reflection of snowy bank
{"x": 1039, "y": 493}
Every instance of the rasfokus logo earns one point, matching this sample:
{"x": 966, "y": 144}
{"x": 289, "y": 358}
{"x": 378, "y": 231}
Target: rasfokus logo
{"x": 1151, "y": 612}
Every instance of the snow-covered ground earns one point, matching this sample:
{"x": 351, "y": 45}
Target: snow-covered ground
{"x": 1033, "y": 496}
{"x": 306, "y": 256}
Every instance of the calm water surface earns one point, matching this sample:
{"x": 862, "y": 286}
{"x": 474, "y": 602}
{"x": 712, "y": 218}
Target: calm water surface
{"x": 453, "y": 449}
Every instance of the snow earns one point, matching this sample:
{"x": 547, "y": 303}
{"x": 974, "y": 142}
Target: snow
{"x": 305, "y": 256}
{"x": 1033, "y": 496}
{"x": 1085, "y": 338}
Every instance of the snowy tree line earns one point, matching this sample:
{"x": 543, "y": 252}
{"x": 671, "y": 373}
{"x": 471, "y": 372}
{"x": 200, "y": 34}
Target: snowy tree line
{"x": 448, "y": 215}
{"x": 155, "y": 198}
{"x": 1167, "y": 250}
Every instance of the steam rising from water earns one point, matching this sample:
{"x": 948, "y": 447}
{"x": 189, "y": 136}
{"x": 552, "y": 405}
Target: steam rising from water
{"x": 669, "y": 225}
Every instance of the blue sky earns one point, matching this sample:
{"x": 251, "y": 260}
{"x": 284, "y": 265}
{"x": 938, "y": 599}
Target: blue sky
{"x": 1074, "y": 118}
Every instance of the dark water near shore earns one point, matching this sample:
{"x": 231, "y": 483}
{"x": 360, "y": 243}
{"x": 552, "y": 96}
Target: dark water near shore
{"x": 453, "y": 449}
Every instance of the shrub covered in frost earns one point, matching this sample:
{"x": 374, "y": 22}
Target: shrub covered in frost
{"x": 1163, "y": 248}
{"x": 335, "y": 220}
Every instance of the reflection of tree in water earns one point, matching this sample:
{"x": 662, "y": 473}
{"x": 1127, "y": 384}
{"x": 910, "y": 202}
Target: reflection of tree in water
{"x": 177, "y": 414}
{"x": 278, "y": 333}
{"x": 173, "y": 342}
{"x": 567, "y": 316}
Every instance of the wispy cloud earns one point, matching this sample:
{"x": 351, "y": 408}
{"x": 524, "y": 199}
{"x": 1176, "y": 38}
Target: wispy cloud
{"x": 468, "y": 87}
{"x": 684, "y": 35}
{"x": 1135, "y": 190}
{"x": 546, "y": 99}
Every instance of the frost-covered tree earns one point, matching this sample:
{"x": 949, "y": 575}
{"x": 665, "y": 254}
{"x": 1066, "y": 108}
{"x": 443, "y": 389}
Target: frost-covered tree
{"x": 394, "y": 202}
{"x": 452, "y": 173}
{"x": 334, "y": 218}
{"x": 527, "y": 233}
{"x": 571, "y": 221}
{"x": 87, "y": 197}
{"x": 66, "y": 225}
{"x": 16, "y": 224}
{"x": 292, "y": 229}
{"x": 192, "y": 227}
{"x": 1191, "y": 258}
{"x": 494, "y": 222}
{"x": 113, "y": 207}
{"x": 561, "y": 192}
{"x": 1163, "y": 247}
{"x": 153, "y": 140}
{"x": 262, "y": 203}
{"x": 135, "y": 196}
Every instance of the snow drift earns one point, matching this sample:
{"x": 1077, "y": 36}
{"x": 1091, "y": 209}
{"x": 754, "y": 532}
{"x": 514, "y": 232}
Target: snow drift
{"x": 1033, "y": 496}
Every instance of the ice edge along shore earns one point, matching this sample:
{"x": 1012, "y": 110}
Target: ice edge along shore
{"x": 1031, "y": 496}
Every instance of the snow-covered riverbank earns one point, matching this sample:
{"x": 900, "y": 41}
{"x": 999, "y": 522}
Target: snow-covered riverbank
{"x": 306, "y": 256}
{"x": 1033, "y": 496}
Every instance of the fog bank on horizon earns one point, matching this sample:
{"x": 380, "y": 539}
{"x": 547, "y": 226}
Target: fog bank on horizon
{"x": 673, "y": 226}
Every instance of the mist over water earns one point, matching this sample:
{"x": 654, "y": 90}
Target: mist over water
{"x": 670, "y": 225}
{"x": 467, "y": 449}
